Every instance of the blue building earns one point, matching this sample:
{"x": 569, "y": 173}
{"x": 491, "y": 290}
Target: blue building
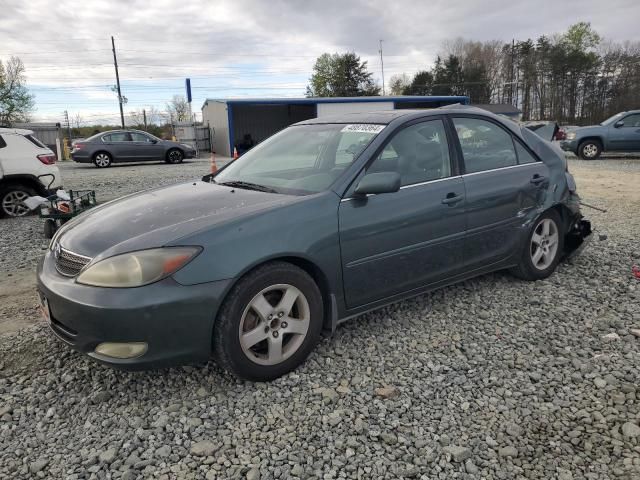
{"x": 232, "y": 120}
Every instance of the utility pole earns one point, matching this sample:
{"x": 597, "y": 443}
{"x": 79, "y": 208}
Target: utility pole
{"x": 382, "y": 64}
{"x": 115, "y": 64}
{"x": 144, "y": 115}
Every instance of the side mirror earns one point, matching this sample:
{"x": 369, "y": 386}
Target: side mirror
{"x": 153, "y": 140}
{"x": 619, "y": 123}
{"x": 374, "y": 183}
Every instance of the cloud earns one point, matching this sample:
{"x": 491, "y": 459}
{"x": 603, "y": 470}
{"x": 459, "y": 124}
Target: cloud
{"x": 257, "y": 48}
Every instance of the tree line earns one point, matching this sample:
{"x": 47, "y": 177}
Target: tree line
{"x": 572, "y": 77}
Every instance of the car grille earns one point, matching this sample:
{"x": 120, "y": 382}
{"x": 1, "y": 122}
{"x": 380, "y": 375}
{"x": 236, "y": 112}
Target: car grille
{"x": 69, "y": 264}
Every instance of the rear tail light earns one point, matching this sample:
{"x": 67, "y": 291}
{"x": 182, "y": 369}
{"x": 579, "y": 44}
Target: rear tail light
{"x": 47, "y": 158}
{"x": 78, "y": 146}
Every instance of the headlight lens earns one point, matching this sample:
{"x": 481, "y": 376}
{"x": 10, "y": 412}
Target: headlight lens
{"x": 571, "y": 135}
{"x": 135, "y": 269}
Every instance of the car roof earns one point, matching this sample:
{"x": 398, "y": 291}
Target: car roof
{"x": 385, "y": 117}
{"x": 19, "y": 131}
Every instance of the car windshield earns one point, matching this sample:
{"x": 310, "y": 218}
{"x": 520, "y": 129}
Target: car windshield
{"x": 613, "y": 119}
{"x": 300, "y": 160}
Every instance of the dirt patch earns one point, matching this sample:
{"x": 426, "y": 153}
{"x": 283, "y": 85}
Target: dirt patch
{"x": 18, "y": 301}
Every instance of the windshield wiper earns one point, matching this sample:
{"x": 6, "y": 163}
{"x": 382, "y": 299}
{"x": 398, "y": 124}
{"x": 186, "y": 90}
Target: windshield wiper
{"x": 249, "y": 186}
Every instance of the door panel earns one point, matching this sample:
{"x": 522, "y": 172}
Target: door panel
{"x": 143, "y": 149}
{"x": 502, "y": 183}
{"x": 394, "y": 242}
{"x": 118, "y": 144}
{"x": 627, "y": 137}
{"x": 497, "y": 202}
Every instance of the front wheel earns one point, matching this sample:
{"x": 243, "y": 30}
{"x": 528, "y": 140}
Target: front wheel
{"x": 174, "y": 156}
{"x": 543, "y": 248}
{"x": 269, "y": 322}
{"x": 589, "y": 150}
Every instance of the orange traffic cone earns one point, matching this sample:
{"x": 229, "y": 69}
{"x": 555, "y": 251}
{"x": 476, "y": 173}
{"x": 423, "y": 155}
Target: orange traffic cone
{"x": 214, "y": 167}
{"x": 235, "y": 153}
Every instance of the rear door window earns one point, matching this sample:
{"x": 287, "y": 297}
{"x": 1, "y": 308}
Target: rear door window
{"x": 117, "y": 137}
{"x": 2, "y": 142}
{"x": 140, "y": 137}
{"x": 35, "y": 141}
{"x": 485, "y": 145}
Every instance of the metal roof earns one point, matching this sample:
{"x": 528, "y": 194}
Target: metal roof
{"x": 316, "y": 100}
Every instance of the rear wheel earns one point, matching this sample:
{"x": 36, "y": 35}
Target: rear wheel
{"x": 269, "y": 322}
{"x": 174, "y": 156}
{"x": 12, "y": 199}
{"x": 102, "y": 160}
{"x": 589, "y": 149}
{"x": 543, "y": 248}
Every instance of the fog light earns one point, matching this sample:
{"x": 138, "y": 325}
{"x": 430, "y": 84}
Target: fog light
{"x": 122, "y": 350}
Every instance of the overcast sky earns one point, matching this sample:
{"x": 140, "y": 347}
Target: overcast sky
{"x": 241, "y": 48}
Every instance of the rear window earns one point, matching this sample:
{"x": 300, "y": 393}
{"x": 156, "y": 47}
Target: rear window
{"x": 35, "y": 141}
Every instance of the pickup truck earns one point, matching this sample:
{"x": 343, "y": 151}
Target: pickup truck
{"x": 620, "y": 133}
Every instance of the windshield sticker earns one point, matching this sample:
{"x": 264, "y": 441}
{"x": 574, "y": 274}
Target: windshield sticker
{"x": 363, "y": 128}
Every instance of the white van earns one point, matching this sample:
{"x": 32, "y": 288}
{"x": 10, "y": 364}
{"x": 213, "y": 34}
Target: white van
{"x": 27, "y": 168}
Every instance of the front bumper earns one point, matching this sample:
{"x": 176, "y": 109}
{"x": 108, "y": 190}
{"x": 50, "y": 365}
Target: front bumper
{"x": 176, "y": 321}
{"x": 569, "y": 145}
{"x": 189, "y": 154}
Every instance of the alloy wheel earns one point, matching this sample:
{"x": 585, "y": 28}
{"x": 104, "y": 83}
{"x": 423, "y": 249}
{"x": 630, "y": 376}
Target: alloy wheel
{"x": 13, "y": 203}
{"x": 103, "y": 160}
{"x": 544, "y": 244}
{"x": 175, "y": 156}
{"x": 275, "y": 324}
{"x": 590, "y": 150}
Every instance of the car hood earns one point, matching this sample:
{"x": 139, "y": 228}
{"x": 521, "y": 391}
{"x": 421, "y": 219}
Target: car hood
{"x": 591, "y": 129}
{"x": 162, "y": 216}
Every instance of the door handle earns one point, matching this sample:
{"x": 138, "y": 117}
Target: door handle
{"x": 452, "y": 198}
{"x": 537, "y": 179}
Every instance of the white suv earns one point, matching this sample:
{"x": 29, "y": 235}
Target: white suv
{"x": 27, "y": 168}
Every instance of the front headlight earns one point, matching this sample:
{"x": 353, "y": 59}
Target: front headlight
{"x": 571, "y": 135}
{"x": 135, "y": 269}
{"x": 185, "y": 145}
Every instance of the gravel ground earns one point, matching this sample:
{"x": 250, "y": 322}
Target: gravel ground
{"x": 492, "y": 378}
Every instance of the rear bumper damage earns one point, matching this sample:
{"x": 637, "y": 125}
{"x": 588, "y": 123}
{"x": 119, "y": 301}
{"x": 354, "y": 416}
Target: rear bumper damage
{"x": 577, "y": 238}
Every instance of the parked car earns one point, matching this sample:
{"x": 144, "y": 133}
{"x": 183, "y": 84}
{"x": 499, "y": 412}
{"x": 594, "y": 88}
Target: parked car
{"x": 105, "y": 148}
{"x": 27, "y": 168}
{"x": 619, "y": 133}
{"x": 251, "y": 263}
{"x": 548, "y": 130}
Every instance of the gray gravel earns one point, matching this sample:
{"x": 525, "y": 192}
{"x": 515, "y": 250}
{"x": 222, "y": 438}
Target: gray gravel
{"x": 491, "y": 378}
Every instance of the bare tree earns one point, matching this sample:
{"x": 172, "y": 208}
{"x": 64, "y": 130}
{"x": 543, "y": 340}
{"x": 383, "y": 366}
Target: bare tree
{"x": 178, "y": 108}
{"x": 399, "y": 83}
{"x": 16, "y": 103}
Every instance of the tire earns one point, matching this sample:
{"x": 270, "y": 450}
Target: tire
{"x": 174, "y": 156}
{"x": 50, "y": 228}
{"x": 258, "y": 357}
{"x": 590, "y": 149}
{"x": 102, "y": 159}
{"x": 541, "y": 252}
{"x": 11, "y": 198}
